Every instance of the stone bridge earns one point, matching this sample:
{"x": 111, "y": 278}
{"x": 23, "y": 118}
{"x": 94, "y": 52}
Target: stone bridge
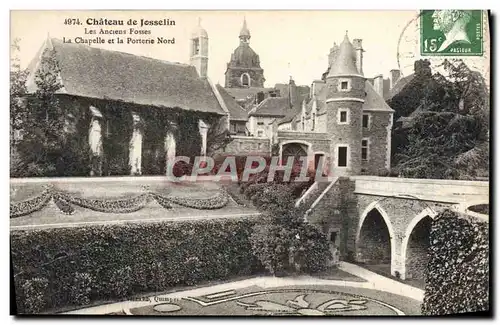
{"x": 385, "y": 221}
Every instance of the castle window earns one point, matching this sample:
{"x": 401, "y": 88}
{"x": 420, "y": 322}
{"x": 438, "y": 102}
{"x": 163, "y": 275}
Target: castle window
{"x": 313, "y": 121}
{"x": 365, "y": 144}
{"x": 303, "y": 123}
{"x": 245, "y": 79}
{"x": 366, "y": 120}
{"x": 260, "y": 133}
{"x": 344, "y": 85}
{"x": 343, "y": 116}
{"x": 260, "y": 123}
{"x": 342, "y": 156}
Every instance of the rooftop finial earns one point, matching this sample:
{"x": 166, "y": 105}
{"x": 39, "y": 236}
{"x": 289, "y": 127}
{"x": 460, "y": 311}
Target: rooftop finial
{"x": 244, "y": 33}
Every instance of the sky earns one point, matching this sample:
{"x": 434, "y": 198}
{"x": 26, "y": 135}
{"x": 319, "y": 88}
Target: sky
{"x": 289, "y": 43}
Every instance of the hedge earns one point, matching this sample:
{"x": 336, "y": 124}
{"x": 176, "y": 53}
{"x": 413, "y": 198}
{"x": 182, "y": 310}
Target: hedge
{"x": 76, "y": 266}
{"x": 457, "y": 275}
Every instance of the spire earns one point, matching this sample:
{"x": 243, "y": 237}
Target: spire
{"x": 244, "y": 32}
{"x": 344, "y": 62}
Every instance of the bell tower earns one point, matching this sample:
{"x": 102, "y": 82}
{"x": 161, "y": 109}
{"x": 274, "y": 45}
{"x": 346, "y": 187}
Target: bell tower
{"x": 199, "y": 50}
{"x": 345, "y": 98}
{"x": 244, "y": 70}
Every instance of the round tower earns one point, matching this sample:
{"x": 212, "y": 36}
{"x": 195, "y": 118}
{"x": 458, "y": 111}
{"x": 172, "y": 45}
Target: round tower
{"x": 199, "y": 50}
{"x": 345, "y": 98}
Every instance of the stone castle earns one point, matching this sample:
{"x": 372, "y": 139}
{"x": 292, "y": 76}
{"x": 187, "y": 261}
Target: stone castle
{"x": 342, "y": 116}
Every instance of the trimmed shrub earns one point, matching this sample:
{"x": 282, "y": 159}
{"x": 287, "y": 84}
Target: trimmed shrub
{"x": 283, "y": 243}
{"x": 80, "y": 265}
{"x": 457, "y": 276}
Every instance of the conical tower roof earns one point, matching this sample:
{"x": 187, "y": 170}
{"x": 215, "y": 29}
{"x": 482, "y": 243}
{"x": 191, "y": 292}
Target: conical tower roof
{"x": 344, "y": 64}
{"x": 244, "y": 32}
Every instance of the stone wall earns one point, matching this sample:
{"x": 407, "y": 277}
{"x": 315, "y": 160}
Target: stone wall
{"x": 377, "y": 136}
{"x": 401, "y": 214}
{"x": 374, "y": 245}
{"x": 242, "y": 145}
{"x": 417, "y": 250}
{"x": 331, "y": 213}
{"x": 319, "y": 141}
{"x": 345, "y": 207}
{"x": 440, "y": 190}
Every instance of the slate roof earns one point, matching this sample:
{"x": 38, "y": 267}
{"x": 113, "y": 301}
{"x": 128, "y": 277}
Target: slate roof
{"x": 272, "y": 106}
{"x": 97, "y": 73}
{"x": 244, "y": 93}
{"x": 344, "y": 61}
{"x": 236, "y": 112}
{"x": 373, "y": 101}
{"x": 244, "y": 30}
{"x": 398, "y": 87}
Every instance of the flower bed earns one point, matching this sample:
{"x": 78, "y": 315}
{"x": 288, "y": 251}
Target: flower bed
{"x": 75, "y": 266}
{"x": 457, "y": 276}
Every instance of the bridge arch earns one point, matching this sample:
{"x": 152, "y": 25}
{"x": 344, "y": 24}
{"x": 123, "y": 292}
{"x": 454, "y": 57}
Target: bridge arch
{"x": 376, "y": 214}
{"x": 416, "y": 239}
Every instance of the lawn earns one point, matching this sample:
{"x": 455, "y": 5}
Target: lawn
{"x": 385, "y": 270}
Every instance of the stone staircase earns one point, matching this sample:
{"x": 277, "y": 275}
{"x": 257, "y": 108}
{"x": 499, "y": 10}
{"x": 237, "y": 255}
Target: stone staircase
{"x": 314, "y": 194}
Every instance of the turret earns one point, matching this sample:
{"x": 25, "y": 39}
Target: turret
{"x": 199, "y": 50}
{"x": 345, "y": 98}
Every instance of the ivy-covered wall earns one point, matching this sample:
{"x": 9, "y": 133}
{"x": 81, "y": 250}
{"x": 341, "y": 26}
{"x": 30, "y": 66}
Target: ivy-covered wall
{"x": 458, "y": 273}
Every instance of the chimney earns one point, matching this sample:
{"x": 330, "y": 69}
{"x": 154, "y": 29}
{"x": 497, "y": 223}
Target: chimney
{"x": 333, "y": 54}
{"x": 358, "y": 48}
{"x": 316, "y": 87}
{"x": 394, "y": 76}
{"x": 292, "y": 93}
{"x": 378, "y": 84}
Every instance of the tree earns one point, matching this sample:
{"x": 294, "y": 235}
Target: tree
{"x": 17, "y": 105}
{"x": 18, "y": 91}
{"x": 47, "y": 147}
{"x": 448, "y": 136}
{"x": 43, "y": 122}
{"x": 284, "y": 242}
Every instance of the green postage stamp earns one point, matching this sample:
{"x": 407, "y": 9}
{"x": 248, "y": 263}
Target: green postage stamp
{"x": 451, "y": 32}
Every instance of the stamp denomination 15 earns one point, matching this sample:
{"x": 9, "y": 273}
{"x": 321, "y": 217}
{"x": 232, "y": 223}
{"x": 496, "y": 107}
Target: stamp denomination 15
{"x": 451, "y": 32}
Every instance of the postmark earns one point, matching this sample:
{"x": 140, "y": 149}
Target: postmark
{"x": 451, "y": 33}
